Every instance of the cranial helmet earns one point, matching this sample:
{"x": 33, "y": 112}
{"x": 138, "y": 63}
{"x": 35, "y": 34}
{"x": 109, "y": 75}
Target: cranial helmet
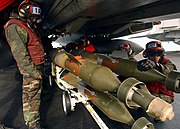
{"x": 126, "y": 47}
{"x": 153, "y": 48}
{"x": 83, "y": 41}
{"x": 30, "y": 10}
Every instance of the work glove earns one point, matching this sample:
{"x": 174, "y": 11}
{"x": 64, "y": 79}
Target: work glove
{"x": 147, "y": 64}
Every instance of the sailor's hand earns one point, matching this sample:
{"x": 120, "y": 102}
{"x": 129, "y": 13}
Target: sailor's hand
{"x": 146, "y": 64}
{"x": 39, "y": 77}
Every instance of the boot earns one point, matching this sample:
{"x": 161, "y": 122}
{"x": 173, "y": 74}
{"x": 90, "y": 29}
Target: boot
{"x": 37, "y": 126}
{"x": 2, "y": 126}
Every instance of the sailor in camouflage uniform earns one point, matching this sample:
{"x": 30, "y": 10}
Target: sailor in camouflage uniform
{"x": 28, "y": 52}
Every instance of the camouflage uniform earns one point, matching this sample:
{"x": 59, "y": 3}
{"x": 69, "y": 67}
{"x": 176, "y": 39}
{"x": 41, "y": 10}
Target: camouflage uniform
{"x": 18, "y": 39}
{"x": 158, "y": 89}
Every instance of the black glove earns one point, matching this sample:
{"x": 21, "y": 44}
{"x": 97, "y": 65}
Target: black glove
{"x": 146, "y": 64}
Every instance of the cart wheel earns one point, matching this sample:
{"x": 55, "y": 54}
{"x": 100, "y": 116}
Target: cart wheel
{"x": 66, "y": 102}
{"x": 142, "y": 123}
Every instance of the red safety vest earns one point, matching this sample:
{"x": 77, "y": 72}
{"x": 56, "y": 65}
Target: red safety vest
{"x": 159, "y": 88}
{"x": 89, "y": 48}
{"x": 35, "y": 47}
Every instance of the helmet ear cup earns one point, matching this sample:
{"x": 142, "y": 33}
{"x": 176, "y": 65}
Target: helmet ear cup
{"x": 24, "y": 10}
{"x": 130, "y": 51}
{"x": 145, "y": 54}
{"x": 22, "y": 13}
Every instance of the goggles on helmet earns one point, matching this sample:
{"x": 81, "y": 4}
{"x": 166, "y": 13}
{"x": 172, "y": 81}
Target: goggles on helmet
{"x": 154, "y": 45}
{"x": 153, "y": 53}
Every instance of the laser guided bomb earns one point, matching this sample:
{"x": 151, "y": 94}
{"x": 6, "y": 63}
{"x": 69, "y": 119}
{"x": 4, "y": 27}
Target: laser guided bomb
{"x": 97, "y": 76}
{"x": 127, "y": 68}
{"x": 134, "y": 94}
{"x": 102, "y": 79}
{"x": 108, "y": 104}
